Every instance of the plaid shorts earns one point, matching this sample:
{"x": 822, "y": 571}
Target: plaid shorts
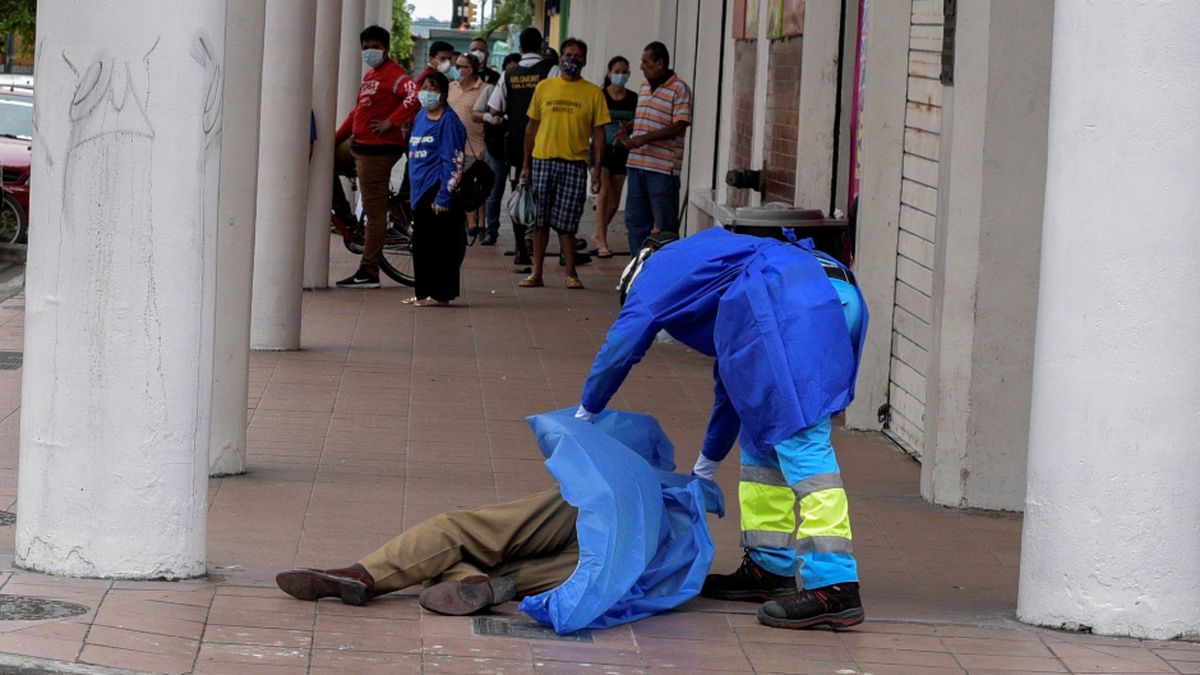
{"x": 560, "y": 191}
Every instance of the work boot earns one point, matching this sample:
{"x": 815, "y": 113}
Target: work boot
{"x": 750, "y": 582}
{"x": 836, "y": 606}
{"x": 468, "y": 596}
{"x": 352, "y": 584}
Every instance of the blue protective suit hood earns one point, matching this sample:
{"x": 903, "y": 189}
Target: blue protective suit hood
{"x": 644, "y": 545}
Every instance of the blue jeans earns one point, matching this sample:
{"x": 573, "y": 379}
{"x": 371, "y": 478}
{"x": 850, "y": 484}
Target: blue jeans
{"x": 652, "y": 201}
{"x": 497, "y": 196}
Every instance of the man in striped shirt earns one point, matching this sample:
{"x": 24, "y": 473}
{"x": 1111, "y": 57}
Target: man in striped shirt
{"x": 655, "y": 141}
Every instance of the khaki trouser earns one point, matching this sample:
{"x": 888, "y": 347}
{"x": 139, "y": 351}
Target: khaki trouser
{"x": 530, "y": 540}
{"x": 374, "y": 174}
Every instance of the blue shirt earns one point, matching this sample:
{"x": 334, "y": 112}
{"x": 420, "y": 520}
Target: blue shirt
{"x": 435, "y": 156}
{"x": 765, "y": 309}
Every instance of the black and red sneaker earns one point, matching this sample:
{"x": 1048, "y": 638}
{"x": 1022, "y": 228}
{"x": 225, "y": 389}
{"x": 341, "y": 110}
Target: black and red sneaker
{"x": 836, "y": 606}
{"x": 750, "y": 582}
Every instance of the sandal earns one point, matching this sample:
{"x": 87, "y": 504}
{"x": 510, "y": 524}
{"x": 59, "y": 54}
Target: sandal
{"x": 603, "y": 253}
{"x": 414, "y": 300}
{"x": 430, "y": 302}
{"x": 531, "y": 281}
{"x": 574, "y": 283}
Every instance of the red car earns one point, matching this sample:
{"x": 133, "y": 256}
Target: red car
{"x": 16, "y": 140}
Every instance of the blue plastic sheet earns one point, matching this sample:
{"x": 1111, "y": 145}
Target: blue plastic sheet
{"x": 644, "y": 545}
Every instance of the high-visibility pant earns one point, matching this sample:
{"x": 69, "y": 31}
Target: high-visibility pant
{"x": 799, "y": 471}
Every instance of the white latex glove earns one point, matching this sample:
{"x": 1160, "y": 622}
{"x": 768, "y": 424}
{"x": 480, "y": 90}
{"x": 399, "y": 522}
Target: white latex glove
{"x": 585, "y": 415}
{"x": 705, "y": 467}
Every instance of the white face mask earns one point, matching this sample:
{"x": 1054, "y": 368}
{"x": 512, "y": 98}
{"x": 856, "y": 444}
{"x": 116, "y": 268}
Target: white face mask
{"x": 481, "y": 56}
{"x": 444, "y": 66}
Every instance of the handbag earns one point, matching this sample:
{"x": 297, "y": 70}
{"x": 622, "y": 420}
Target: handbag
{"x": 474, "y": 186}
{"x": 521, "y": 207}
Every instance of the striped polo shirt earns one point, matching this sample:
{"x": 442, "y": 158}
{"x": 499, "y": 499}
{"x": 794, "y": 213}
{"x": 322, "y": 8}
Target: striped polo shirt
{"x": 657, "y": 108}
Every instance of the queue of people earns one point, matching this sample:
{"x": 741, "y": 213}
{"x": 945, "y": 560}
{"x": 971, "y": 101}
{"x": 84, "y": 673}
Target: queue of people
{"x": 537, "y": 123}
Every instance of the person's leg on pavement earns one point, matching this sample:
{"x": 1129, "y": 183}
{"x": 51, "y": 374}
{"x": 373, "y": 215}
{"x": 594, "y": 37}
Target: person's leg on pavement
{"x": 570, "y": 201}
{"x": 343, "y": 165}
{"x": 767, "y": 506}
{"x": 542, "y": 524}
{"x": 607, "y": 203}
{"x": 541, "y": 574}
{"x": 374, "y": 172}
{"x": 664, "y": 201}
{"x": 638, "y": 214}
{"x": 545, "y": 193}
{"x": 424, "y": 266}
{"x": 823, "y": 539}
{"x": 495, "y": 200}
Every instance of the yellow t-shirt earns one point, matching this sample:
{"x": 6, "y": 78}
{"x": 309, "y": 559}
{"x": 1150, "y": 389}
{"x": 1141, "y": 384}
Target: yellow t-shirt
{"x": 567, "y": 112}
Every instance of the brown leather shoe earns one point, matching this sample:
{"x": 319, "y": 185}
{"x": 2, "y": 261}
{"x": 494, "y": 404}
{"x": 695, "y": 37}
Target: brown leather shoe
{"x": 468, "y": 596}
{"x": 351, "y": 584}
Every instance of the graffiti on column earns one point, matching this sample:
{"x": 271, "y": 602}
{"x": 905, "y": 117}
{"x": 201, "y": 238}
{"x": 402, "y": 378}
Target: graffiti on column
{"x": 107, "y": 192}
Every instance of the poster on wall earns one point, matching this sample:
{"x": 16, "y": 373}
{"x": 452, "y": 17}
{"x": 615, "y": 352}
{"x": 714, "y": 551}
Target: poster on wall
{"x": 751, "y": 23}
{"x": 739, "y": 19}
{"x": 775, "y": 19}
{"x": 793, "y": 17}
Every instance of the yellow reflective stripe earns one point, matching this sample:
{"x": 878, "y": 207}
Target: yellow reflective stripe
{"x": 825, "y": 513}
{"x": 767, "y": 507}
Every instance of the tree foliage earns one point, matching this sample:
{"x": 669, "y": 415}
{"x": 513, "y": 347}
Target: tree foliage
{"x": 19, "y": 17}
{"x": 512, "y": 16}
{"x": 402, "y": 43}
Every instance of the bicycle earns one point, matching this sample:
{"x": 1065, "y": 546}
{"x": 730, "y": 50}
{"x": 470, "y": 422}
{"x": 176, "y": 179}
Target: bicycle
{"x": 396, "y": 258}
{"x": 13, "y": 221}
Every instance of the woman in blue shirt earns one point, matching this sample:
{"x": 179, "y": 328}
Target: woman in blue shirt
{"x": 435, "y": 160}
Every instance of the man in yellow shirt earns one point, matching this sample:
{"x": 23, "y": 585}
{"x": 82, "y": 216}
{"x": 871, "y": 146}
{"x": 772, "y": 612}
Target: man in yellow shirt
{"x": 567, "y": 114}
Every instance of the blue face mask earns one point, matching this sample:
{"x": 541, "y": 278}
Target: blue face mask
{"x": 571, "y": 66}
{"x": 429, "y": 99}
{"x": 619, "y": 79}
{"x": 372, "y": 57}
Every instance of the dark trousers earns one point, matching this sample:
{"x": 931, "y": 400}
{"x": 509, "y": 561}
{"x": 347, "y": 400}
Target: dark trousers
{"x": 495, "y": 200}
{"x": 439, "y": 243}
{"x": 651, "y": 202}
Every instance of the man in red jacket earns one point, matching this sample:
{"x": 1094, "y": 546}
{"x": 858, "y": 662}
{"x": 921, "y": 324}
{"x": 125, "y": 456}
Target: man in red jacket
{"x": 377, "y": 130}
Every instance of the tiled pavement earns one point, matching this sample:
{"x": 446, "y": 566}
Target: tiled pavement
{"x": 391, "y": 414}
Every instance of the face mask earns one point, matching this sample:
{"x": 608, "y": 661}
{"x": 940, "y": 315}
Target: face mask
{"x": 454, "y": 74}
{"x": 619, "y": 79}
{"x": 444, "y": 67}
{"x": 372, "y": 57}
{"x": 429, "y": 99}
{"x": 481, "y": 56}
{"x": 571, "y": 66}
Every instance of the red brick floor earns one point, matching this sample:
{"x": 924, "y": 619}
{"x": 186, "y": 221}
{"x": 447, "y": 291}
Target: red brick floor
{"x": 391, "y": 414}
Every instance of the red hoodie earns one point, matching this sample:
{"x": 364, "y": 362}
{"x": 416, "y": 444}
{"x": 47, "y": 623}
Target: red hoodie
{"x": 386, "y": 92}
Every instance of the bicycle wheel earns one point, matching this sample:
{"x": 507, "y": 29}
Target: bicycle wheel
{"x": 396, "y": 260}
{"x": 12, "y": 220}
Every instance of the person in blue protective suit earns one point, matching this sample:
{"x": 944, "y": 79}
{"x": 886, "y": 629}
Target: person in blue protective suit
{"x": 785, "y": 323}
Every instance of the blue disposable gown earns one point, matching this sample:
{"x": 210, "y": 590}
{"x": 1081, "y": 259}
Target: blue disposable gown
{"x": 765, "y": 309}
{"x": 644, "y": 545}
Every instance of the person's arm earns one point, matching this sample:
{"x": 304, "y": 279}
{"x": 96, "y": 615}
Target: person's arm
{"x": 531, "y": 130}
{"x": 451, "y": 153}
{"x": 406, "y": 112}
{"x": 481, "y": 104}
{"x": 496, "y": 100}
{"x": 598, "y": 148}
{"x": 346, "y": 129}
{"x": 626, "y": 343}
{"x": 723, "y": 428}
{"x": 681, "y": 119}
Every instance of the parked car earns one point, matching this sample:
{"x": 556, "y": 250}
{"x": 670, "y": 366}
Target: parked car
{"x": 16, "y": 140}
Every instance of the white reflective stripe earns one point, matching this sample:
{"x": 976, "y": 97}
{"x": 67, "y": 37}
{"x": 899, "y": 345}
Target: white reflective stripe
{"x": 756, "y": 538}
{"x": 821, "y": 481}
{"x": 823, "y": 545}
{"x": 763, "y": 476}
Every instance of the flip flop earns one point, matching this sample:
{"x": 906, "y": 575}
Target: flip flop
{"x": 574, "y": 283}
{"x": 430, "y": 302}
{"x": 603, "y": 253}
{"x": 414, "y": 300}
{"x": 531, "y": 281}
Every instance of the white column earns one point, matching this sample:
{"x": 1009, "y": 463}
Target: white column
{"x": 244, "y": 25}
{"x": 371, "y": 13}
{"x": 120, "y": 289}
{"x": 350, "y": 63}
{"x": 386, "y": 10}
{"x": 320, "y": 166}
{"x": 283, "y": 174}
{"x": 1111, "y": 538}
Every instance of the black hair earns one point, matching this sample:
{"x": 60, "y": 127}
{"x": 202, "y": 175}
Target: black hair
{"x": 510, "y": 59}
{"x": 612, "y": 62}
{"x": 440, "y": 81}
{"x": 472, "y": 59}
{"x": 375, "y": 33}
{"x": 439, "y": 47}
{"x": 659, "y": 51}
{"x": 479, "y": 39}
{"x": 530, "y": 41}
{"x": 574, "y": 41}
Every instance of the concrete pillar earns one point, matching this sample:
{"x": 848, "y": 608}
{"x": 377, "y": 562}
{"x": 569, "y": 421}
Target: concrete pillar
{"x": 320, "y": 166}
{"x": 985, "y": 283}
{"x": 818, "y": 103}
{"x": 283, "y": 174}
{"x": 386, "y": 10}
{"x": 120, "y": 289}
{"x": 350, "y": 63}
{"x": 244, "y": 25}
{"x": 1110, "y": 536}
{"x": 372, "y": 12}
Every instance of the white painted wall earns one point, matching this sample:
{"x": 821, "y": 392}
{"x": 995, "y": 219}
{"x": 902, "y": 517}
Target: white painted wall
{"x": 120, "y": 289}
{"x": 320, "y": 166}
{"x": 244, "y": 25}
{"x": 1111, "y": 534}
{"x": 985, "y": 261}
{"x": 283, "y": 175}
